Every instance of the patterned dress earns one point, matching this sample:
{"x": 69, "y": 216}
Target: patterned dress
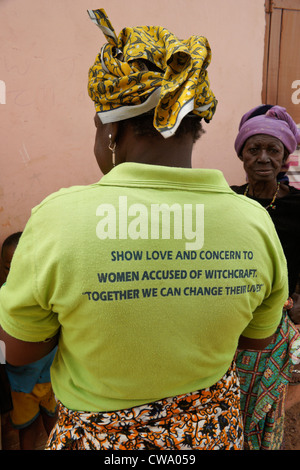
{"x": 208, "y": 419}
{"x": 264, "y": 379}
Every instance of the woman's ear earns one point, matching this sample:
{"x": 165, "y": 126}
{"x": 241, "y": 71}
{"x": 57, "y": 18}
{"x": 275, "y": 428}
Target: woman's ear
{"x": 114, "y": 134}
{"x": 240, "y": 155}
{"x": 285, "y": 155}
{"x": 113, "y": 130}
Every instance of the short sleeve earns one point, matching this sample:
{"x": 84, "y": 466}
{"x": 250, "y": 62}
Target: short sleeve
{"x": 267, "y": 316}
{"x": 22, "y": 313}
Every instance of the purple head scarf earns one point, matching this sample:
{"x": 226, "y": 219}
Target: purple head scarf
{"x": 275, "y": 122}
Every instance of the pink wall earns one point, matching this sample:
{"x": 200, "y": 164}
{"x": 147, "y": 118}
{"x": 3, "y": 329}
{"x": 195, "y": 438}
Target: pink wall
{"x": 46, "y": 116}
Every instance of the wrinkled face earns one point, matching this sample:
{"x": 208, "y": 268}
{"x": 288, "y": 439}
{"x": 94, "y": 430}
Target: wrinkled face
{"x": 263, "y": 156}
{"x": 102, "y": 153}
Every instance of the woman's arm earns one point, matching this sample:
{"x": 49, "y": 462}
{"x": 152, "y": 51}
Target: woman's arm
{"x": 257, "y": 344}
{"x": 20, "y": 353}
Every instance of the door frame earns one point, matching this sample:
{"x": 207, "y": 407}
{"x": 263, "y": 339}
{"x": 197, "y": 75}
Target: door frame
{"x": 273, "y": 12}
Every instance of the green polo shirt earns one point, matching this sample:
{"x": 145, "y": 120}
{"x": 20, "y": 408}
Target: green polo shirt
{"x": 152, "y": 274}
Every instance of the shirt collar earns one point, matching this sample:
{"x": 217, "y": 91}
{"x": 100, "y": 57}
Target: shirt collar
{"x": 141, "y": 174}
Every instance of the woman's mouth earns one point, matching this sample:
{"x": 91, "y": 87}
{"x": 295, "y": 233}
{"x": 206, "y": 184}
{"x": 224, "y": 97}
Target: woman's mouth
{"x": 264, "y": 171}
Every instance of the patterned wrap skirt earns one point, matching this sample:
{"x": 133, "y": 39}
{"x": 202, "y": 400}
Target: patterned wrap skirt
{"x": 264, "y": 379}
{"x": 208, "y": 419}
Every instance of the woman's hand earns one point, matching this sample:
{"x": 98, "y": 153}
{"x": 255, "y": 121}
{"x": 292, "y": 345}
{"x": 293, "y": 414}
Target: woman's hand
{"x": 294, "y": 313}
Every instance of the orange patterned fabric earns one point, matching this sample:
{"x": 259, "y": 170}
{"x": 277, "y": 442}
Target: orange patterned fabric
{"x": 208, "y": 419}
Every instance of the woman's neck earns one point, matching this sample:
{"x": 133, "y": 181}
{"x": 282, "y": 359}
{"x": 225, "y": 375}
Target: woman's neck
{"x": 262, "y": 189}
{"x": 174, "y": 151}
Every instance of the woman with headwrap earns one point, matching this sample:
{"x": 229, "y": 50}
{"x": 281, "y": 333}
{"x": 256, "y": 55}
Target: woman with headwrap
{"x": 267, "y": 136}
{"x": 147, "y": 301}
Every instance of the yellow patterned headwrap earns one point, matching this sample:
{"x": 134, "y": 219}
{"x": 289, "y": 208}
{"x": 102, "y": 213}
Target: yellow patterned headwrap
{"x": 148, "y": 67}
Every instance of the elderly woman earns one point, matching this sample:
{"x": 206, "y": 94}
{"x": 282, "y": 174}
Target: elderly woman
{"x": 267, "y": 136}
{"x": 130, "y": 275}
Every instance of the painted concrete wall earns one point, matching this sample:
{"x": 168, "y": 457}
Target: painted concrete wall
{"x": 46, "y": 116}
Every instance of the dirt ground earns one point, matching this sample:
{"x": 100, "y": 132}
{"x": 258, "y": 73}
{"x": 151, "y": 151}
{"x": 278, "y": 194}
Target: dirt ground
{"x": 10, "y": 436}
{"x": 292, "y": 428}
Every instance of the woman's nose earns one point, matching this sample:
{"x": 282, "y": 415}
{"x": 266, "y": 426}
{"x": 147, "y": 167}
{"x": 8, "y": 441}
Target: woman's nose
{"x": 264, "y": 156}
